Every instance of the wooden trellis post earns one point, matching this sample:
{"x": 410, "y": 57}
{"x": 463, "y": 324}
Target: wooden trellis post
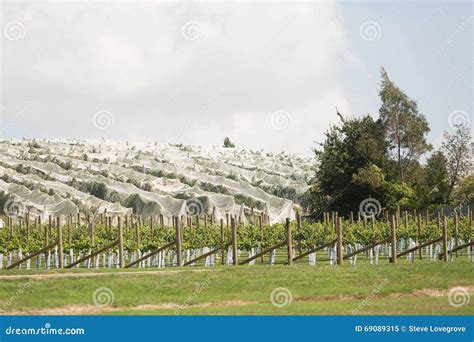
{"x": 289, "y": 242}
{"x": 27, "y": 221}
{"x": 260, "y": 226}
{"x": 339, "y": 241}
{"x": 60, "y": 243}
{"x": 235, "y": 257}
{"x": 469, "y": 214}
{"x": 406, "y": 219}
{"x": 46, "y": 233}
{"x": 10, "y": 227}
{"x": 298, "y": 226}
{"x": 179, "y": 260}
{"x": 456, "y": 223}
{"x": 393, "y": 240}
{"x": 137, "y": 231}
{"x": 222, "y": 241}
{"x": 439, "y": 221}
{"x": 120, "y": 243}
{"x": 69, "y": 233}
{"x": 445, "y": 239}
{"x": 420, "y": 252}
{"x": 49, "y": 224}
{"x": 91, "y": 233}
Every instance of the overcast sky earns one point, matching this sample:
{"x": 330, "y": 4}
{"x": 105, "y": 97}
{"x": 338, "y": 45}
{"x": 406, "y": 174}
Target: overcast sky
{"x": 268, "y": 75}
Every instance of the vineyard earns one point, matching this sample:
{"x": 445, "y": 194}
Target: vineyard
{"x": 203, "y": 240}
{"x": 236, "y": 159}
{"x": 62, "y": 178}
{"x": 102, "y": 204}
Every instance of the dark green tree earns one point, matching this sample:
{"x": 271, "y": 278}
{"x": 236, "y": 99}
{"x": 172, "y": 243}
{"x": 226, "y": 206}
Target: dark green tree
{"x": 457, "y": 149}
{"x": 435, "y": 187}
{"x": 405, "y": 128}
{"x": 464, "y": 192}
{"x": 228, "y": 143}
{"x": 353, "y": 146}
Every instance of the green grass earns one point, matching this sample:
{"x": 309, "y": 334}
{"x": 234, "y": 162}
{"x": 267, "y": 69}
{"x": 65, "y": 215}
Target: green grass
{"x": 405, "y": 288}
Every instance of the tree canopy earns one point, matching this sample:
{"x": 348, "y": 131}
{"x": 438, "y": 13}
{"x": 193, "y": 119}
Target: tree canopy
{"x": 228, "y": 143}
{"x": 405, "y": 128}
{"x": 385, "y": 158}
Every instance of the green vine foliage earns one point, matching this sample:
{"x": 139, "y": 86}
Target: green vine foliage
{"x": 309, "y": 235}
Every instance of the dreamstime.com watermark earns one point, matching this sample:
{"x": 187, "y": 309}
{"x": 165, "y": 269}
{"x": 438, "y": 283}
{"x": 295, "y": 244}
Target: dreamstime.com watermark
{"x": 192, "y": 298}
{"x": 458, "y": 296}
{"x": 455, "y": 34}
{"x": 14, "y": 30}
{"x": 20, "y": 290}
{"x": 46, "y": 330}
{"x": 194, "y": 206}
{"x": 370, "y": 207}
{"x": 281, "y": 296}
{"x": 9, "y": 120}
{"x": 13, "y": 208}
{"x": 103, "y": 296}
{"x": 459, "y": 118}
{"x": 371, "y": 296}
{"x": 280, "y": 120}
{"x": 192, "y": 30}
{"x": 370, "y": 30}
{"x": 103, "y": 120}
{"x": 465, "y": 200}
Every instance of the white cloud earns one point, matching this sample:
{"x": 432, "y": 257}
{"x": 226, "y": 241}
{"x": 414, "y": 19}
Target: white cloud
{"x": 250, "y": 60}
{"x": 101, "y": 49}
{"x": 297, "y": 130}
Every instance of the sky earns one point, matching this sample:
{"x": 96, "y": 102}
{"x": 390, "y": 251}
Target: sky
{"x": 266, "y": 74}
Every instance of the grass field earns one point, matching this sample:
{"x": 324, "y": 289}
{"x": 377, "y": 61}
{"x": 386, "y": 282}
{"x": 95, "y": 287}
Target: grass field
{"x": 405, "y": 288}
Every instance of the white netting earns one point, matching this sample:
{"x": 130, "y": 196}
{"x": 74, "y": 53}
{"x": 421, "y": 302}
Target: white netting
{"x": 152, "y": 178}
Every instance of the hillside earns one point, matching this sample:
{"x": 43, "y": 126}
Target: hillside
{"x": 64, "y": 177}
